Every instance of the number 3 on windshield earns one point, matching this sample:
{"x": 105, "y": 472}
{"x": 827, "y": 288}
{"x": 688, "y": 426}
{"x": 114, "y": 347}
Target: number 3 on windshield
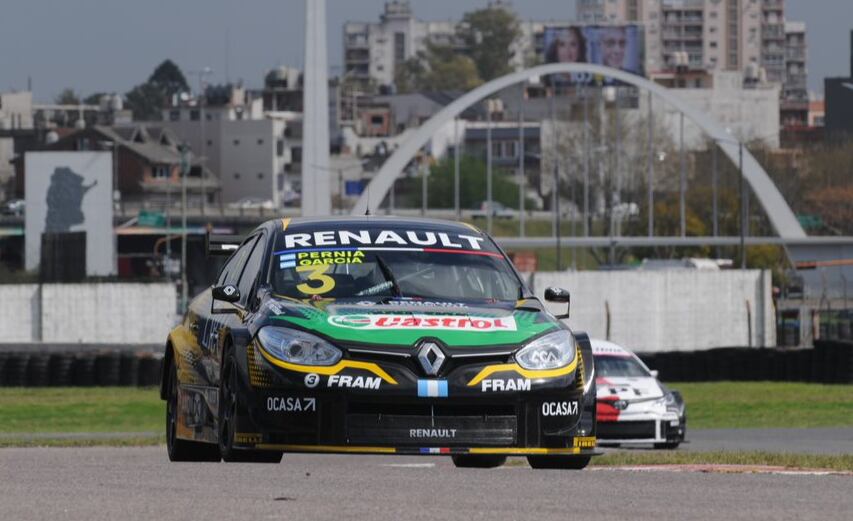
{"x": 316, "y": 274}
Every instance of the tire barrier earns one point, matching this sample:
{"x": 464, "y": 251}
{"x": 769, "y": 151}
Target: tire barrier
{"x": 827, "y": 362}
{"x": 87, "y": 369}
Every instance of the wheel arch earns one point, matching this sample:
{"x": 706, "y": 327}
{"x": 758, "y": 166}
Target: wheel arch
{"x": 165, "y": 367}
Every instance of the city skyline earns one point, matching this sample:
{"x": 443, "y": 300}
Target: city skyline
{"x": 113, "y": 57}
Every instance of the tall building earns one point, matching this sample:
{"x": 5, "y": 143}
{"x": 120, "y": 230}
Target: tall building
{"x": 687, "y": 40}
{"x": 374, "y": 50}
{"x": 795, "y": 96}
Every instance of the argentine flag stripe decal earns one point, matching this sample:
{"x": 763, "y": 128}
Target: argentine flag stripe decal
{"x": 432, "y": 388}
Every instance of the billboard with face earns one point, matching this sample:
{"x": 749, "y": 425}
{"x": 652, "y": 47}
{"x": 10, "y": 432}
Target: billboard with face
{"x": 71, "y": 192}
{"x": 617, "y": 46}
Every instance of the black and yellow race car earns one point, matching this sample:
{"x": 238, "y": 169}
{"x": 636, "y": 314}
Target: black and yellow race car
{"x": 376, "y": 335}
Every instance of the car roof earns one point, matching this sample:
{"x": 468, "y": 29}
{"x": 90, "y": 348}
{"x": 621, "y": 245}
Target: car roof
{"x": 606, "y": 348}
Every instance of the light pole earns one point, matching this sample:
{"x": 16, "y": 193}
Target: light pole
{"x": 489, "y": 203}
{"x": 185, "y": 170}
{"x": 456, "y": 144}
{"x": 205, "y": 71}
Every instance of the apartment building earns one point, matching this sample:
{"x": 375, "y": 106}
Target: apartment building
{"x": 795, "y": 96}
{"x": 374, "y": 50}
{"x": 248, "y": 149}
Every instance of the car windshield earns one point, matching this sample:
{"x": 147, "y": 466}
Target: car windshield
{"x": 619, "y": 366}
{"x": 380, "y": 263}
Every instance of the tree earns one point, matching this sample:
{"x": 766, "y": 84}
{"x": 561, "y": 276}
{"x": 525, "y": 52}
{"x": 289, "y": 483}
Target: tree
{"x": 489, "y": 35}
{"x": 472, "y": 184}
{"x": 67, "y": 97}
{"x": 437, "y": 68}
{"x": 94, "y": 98}
{"x": 168, "y": 77}
{"x": 146, "y": 100}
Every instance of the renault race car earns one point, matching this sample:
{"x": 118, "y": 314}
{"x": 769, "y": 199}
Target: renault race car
{"x": 633, "y": 406}
{"x": 376, "y": 335}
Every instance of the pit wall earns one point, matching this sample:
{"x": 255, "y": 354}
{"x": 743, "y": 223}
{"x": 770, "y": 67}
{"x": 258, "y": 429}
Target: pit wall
{"x": 675, "y": 310}
{"x": 87, "y": 313}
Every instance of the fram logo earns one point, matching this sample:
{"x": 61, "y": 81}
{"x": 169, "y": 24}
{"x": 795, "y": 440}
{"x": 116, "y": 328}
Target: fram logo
{"x": 420, "y": 321}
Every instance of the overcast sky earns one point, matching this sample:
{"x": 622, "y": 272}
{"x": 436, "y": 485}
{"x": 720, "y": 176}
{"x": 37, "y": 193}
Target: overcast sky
{"x": 111, "y": 45}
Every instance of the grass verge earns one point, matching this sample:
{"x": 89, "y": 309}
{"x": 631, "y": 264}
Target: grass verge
{"x": 128, "y": 441}
{"x": 737, "y": 405}
{"x": 80, "y": 409}
{"x": 842, "y": 462}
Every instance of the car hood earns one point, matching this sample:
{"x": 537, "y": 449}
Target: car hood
{"x": 405, "y": 322}
{"x": 628, "y": 388}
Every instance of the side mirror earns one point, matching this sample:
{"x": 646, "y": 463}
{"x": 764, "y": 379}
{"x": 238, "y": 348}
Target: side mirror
{"x": 654, "y": 373}
{"x": 227, "y": 293}
{"x": 559, "y": 295}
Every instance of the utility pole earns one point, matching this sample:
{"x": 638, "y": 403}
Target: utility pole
{"x": 489, "y": 203}
{"x": 715, "y": 181}
{"x": 743, "y": 216}
{"x": 650, "y": 166}
{"x": 520, "y": 150}
{"x": 456, "y": 204}
{"x": 585, "y": 162}
{"x": 683, "y": 179}
{"x": 185, "y": 170}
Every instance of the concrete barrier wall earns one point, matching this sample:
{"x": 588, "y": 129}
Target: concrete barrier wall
{"x": 673, "y": 310}
{"x": 19, "y": 309}
{"x": 87, "y": 313}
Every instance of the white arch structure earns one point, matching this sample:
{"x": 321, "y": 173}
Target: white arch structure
{"x": 781, "y": 217}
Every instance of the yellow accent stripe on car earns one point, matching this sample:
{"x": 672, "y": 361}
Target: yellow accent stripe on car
{"x": 326, "y": 448}
{"x": 393, "y": 450}
{"x": 284, "y": 222}
{"x": 527, "y": 373}
{"x": 522, "y": 450}
{"x": 469, "y": 225}
{"x": 329, "y": 370}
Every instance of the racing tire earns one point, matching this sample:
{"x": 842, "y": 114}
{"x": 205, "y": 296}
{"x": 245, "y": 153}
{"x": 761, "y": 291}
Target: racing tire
{"x": 559, "y": 462}
{"x": 466, "y": 461}
{"x": 669, "y": 445}
{"x": 227, "y": 420}
{"x": 183, "y": 450}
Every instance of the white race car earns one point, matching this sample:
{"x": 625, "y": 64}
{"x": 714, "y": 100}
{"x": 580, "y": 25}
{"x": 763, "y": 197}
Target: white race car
{"x": 633, "y": 407}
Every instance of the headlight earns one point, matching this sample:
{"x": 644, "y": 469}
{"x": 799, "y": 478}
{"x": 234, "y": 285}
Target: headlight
{"x": 551, "y": 351}
{"x": 297, "y": 347}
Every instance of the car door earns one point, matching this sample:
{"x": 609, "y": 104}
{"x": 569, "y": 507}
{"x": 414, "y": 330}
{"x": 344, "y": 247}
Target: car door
{"x": 218, "y": 314}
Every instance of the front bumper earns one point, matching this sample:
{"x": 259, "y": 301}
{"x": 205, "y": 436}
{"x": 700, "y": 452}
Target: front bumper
{"x": 641, "y": 431}
{"x": 384, "y": 407}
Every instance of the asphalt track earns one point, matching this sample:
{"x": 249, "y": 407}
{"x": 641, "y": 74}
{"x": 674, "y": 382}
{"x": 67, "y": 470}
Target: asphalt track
{"x": 140, "y": 484}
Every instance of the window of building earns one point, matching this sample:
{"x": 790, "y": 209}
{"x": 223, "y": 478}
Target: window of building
{"x": 237, "y": 175}
{"x": 210, "y": 142}
{"x": 83, "y": 143}
{"x": 194, "y": 115}
{"x": 260, "y": 141}
{"x": 209, "y": 116}
{"x": 236, "y": 142}
{"x": 399, "y": 47}
{"x": 174, "y": 115}
{"x": 260, "y": 175}
{"x": 161, "y": 172}
{"x": 713, "y": 45}
{"x": 279, "y": 147}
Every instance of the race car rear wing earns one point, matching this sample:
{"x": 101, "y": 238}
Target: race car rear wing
{"x": 222, "y": 244}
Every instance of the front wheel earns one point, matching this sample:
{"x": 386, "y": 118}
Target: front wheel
{"x": 227, "y": 421}
{"x": 478, "y": 461}
{"x": 182, "y": 450}
{"x": 559, "y": 462}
